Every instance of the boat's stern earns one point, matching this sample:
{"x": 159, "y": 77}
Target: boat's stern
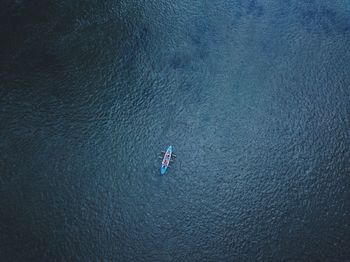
{"x": 163, "y": 169}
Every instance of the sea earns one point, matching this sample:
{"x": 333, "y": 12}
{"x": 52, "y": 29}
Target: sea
{"x": 254, "y": 96}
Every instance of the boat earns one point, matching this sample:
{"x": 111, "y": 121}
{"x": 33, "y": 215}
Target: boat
{"x": 166, "y": 160}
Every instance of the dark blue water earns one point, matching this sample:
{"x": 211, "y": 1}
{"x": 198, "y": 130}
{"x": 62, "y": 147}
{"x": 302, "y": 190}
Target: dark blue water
{"x": 253, "y": 95}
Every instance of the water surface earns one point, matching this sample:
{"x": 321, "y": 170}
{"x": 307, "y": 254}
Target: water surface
{"x": 253, "y": 95}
